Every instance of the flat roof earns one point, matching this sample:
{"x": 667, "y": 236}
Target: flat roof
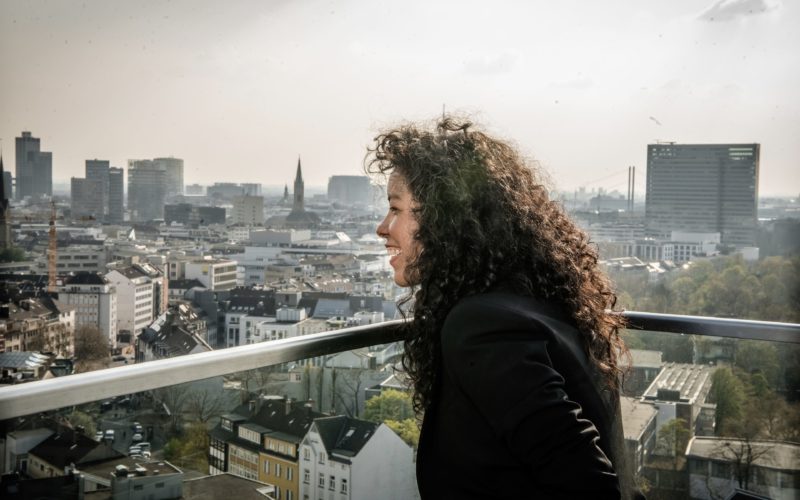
{"x": 778, "y": 455}
{"x": 636, "y": 416}
{"x": 646, "y": 359}
{"x": 226, "y": 485}
{"x": 688, "y": 379}
{"x": 152, "y": 467}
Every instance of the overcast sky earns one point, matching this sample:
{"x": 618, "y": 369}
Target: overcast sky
{"x": 239, "y": 89}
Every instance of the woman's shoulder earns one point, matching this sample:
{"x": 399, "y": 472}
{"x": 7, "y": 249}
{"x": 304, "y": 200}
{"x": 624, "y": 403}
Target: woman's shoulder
{"x": 505, "y": 306}
{"x": 496, "y": 315}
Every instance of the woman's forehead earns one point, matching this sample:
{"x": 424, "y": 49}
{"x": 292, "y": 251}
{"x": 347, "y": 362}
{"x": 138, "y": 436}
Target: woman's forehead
{"x": 397, "y": 185}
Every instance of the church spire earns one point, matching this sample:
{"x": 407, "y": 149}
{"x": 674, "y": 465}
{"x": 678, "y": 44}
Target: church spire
{"x": 299, "y": 176}
{"x": 299, "y": 188}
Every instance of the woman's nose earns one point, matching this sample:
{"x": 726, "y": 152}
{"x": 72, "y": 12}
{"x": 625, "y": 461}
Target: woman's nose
{"x": 382, "y": 229}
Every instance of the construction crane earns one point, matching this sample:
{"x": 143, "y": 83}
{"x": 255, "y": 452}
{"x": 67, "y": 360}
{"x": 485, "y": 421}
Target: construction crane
{"x": 51, "y": 250}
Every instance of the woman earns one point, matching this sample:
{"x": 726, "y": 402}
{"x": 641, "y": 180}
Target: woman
{"x": 511, "y": 352}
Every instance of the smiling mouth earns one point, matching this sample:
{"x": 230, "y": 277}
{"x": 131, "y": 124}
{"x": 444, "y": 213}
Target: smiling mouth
{"x": 393, "y": 251}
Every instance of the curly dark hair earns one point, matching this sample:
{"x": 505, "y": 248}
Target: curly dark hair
{"x": 484, "y": 218}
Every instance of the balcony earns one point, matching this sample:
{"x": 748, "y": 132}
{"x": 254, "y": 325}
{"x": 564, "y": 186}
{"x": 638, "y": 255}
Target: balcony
{"x": 671, "y": 412}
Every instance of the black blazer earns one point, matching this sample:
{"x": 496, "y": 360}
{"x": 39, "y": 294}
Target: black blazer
{"x": 517, "y": 412}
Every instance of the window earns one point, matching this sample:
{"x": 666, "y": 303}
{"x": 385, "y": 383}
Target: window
{"x": 159, "y": 485}
{"x": 344, "y": 487}
{"x": 289, "y": 473}
{"x": 306, "y": 454}
{"x": 266, "y": 467}
{"x": 321, "y": 480}
{"x": 278, "y": 470}
{"x": 138, "y": 487}
{"x": 720, "y": 469}
{"x": 332, "y": 483}
{"x": 289, "y": 495}
{"x": 322, "y": 458}
{"x": 306, "y": 476}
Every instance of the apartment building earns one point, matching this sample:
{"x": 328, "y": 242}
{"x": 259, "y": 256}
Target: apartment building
{"x": 348, "y": 459}
{"x": 141, "y": 295}
{"x": 260, "y": 440}
{"x": 94, "y": 300}
{"x": 215, "y": 274}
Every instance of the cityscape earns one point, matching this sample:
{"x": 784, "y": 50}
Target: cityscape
{"x": 194, "y": 302}
{"x": 136, "y": 265}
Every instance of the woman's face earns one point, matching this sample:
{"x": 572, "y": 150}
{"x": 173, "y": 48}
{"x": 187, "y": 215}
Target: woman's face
{"x": 399, "y": 227}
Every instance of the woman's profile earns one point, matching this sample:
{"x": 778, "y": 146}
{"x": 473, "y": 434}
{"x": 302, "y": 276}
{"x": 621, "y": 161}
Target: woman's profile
{"x": 512, "y": 352}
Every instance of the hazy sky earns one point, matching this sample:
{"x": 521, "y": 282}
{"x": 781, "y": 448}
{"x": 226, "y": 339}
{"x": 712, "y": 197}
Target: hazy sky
{"x": 239, "y": 89}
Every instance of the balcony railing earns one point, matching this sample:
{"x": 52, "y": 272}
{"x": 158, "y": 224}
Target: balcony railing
{"x": 52, "y": 394}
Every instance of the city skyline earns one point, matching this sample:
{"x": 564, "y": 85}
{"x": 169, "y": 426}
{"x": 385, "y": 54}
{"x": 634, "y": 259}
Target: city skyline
{"x": 238, "y": 91}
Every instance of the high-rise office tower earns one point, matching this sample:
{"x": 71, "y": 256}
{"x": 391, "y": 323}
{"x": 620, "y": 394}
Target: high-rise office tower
{"x": 116, "y": 211}
{"x": 86, "y": 201}
{"x": 5, "y": 213}
{"x": 34, "y": 168}
{"x": 8, "y": 183}
{"x": 703, "y": 188}
{"x": 146, "y": 190}
{"x": 173, "y": 175}
{"x": 248, "y": 210}
{"x": 97, "y": 170}
{"x": 349, "y": 189}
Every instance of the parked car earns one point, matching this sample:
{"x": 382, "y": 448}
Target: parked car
{"x": 137, "y": 427}
{"x": 109, "y": 434}
{"x": 98, "y": 436}
{"x": 144, "y": 445}
{"x": 136, "y": 437}
{"x": 134, "y": 450}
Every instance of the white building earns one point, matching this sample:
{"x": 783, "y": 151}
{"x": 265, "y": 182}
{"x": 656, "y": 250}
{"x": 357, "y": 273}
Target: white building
{"x": 768, "y": 468}
{"x": 76, "y": 257}
{"x": 349, "y": 459}
{"x": 94, "y": 300}
{"x": 141, "y": 295}
{"x": 248, "y": 210}
{"x": 214, "y": 274}
{"x": 286, "y": 324}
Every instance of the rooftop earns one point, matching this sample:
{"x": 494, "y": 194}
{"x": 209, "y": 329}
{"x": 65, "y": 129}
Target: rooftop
{"x": 680, "y": 382}
{"x": 105, "y": 468}
{"x": 636, "y": 416}
{"x": 772, "y": 454}
{"x": 225, "y": 485}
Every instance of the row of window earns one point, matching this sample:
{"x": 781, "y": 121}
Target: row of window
{"x": 279, "y": 470}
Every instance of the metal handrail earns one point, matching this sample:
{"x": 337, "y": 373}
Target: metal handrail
{"x": 52, "y": 394}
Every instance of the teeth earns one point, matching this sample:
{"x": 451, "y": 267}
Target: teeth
{"x": 393, "y": 251}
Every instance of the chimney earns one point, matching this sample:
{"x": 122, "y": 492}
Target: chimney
{"x": 288, "y": 405}
{"x": 251, "y": 405}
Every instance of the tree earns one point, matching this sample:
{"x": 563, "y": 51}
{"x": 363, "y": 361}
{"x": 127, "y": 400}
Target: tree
{"x": 91, "y": 348}
{"x": 174, "y": 399}
{"x": 203, "y": 405}
{"x": 673, "y": 437}
{"x": 12, "y": 254}
{"x": 346, "y": 383}
{"x": 80, "y": 419}
{"x": 728, "y": 393}
{"x": 389, "y": 405}
{"x": 189, "y": 450}
{"x": 742, "y": 455}
{"x": 407, "y": 430}
{"x": 754, "y": 356}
